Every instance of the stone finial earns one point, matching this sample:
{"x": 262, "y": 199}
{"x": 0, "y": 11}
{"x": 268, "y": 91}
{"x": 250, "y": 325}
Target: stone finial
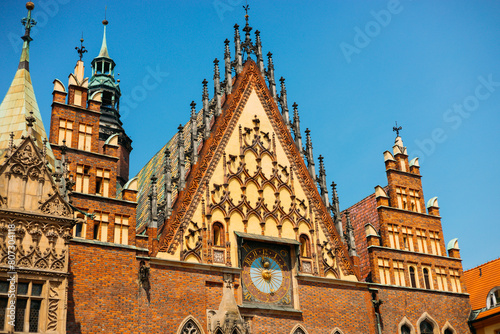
{"x": 309, "y": 155}
{"x": 284, "y": 104}
{"x": 153, "y": 200}
{"x": 322, "y": 182}
{"x": 228, "y": 80}
{"x": 181, "y": 158}
{"x": 270, "y": 77}
{"x": 349, "y": 235}
{"x": 194, "y": 131}
{"x": 296, "y": 128}
{"x": 335, "y": 209}
{"x": 238, "y": 62}
{"x": 258, "y": 52}
{"x": 30, "y": 121}
{"x": 217, "y": 89}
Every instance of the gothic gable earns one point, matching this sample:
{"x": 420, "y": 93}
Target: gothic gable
{"x": 251, "y": 178}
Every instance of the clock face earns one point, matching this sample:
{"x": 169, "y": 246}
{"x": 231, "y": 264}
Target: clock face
{"x": 266, "y": 273}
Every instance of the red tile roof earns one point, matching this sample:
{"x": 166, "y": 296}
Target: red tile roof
{"x": 480, "y": 280}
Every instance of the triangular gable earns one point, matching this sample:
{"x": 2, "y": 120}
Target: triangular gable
{"x": 26, "y": 183}
{"x": 248, "y": 81}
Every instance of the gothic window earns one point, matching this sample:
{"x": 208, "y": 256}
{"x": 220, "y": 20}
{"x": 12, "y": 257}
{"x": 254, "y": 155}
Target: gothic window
{"x": 426, "y": 278}
{"x": 121, "y": 230}
{"x": 405, "y": 329}
{"x": 218, "y": 234}
{"x": 84, "y": 137}
{"x": 299, "y": 331}
{"x": 305, "y": 246}
{"x": 65, "y": 132}
{"x": 413, "y": 278}
{"x": 102, "y": 182}
{"x": 82, "y": 179}
{"x": 448, "y": 331}
{"x": 190, "y": 328}
{"x": 399, "y": 272}
{"x": 426, "y": 327}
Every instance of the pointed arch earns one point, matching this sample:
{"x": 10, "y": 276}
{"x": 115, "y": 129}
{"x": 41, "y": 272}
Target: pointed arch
{"x": 407, "y": 323}
{"x": 298, "y": 329}
{"x": 190, "y": 326}
{"x": 448, "y": 329}
{"x": 337, "y": 330}
{"x": 426, "y": 317}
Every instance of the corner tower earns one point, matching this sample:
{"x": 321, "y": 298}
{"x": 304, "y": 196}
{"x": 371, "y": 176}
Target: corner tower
{"x": 103, "y": 80}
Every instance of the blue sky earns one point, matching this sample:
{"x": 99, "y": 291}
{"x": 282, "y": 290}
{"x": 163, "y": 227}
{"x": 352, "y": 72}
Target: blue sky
{"x": 354, "y": 68}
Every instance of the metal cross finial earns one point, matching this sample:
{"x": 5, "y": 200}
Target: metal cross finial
{"x": 81, "y": 50}
{"x": 28, "y": 22}
{"x": 246, "y": 8}
{"x": 397, "y": 129}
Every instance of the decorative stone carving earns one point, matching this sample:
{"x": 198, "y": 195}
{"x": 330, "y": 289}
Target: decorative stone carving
{"x": 190, "y": 328}
{"x": 56, "y": 206}
{"x": 53, "y": 306}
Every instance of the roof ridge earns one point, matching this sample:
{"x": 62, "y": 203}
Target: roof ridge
{"x": 483, "y": 264}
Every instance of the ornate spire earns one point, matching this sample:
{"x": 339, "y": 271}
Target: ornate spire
{"x": 336, "y": 211}
{"x": 104, "y": 46}
{"x": 194, "y": 132}
{"x": 153, "y": 200}
{"x": 309, "y": 155}
{"x": 296, "y": 128}
{"x": 28, "y": 23}
{"x": 284, "y": 104}
{"x": 228, "y": 80}
{"x": 217, "y": 91}
{"x": 322, "y": 182}
{"x": 181, "y": 159}
{"x": 270, "y": 76}
{"x": 258, "y": 52}
{"x": 167, "y": 171}
{"x": 206, "y": 111}
{"x": 81, "y": 50}
{"x": 238, "y": 62}
{"x": 349, "y": 235}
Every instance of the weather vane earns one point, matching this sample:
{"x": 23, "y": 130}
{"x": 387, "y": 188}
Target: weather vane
{"x": 246, "y": 8}
{"x": 28, "y": 22}
{"x": 81, "y": 50}
{"x": 397, "y": 129}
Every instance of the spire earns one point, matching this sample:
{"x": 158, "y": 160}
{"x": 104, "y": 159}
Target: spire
{"x": 194, "y": 133}
{"x": 284, "y": 104}
{"x": 167, "y": 171}
{"x": 217, "y": 91}
{"x": 20, "y": 102}
{"x": 104, "y": 47}
{"x": 206, "y": 111}
{"x": 182, "y": 164}
{"x": 309, "y": 155}
{"x": 336, "y": 211}
{"x": 322, "y": 182}
{"x": 296, "y": 128}
{"x": 270, "y": 76}
{"x": 349, "y": 236}
{"x": 238, "y": 62}
{"x": 258, "y": 52}
{"x": 228, "y": 80}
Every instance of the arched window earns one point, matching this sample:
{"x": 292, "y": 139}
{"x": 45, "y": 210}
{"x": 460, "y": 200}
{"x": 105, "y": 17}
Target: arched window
{"x": 426, "y": 327}
{"x": 493, "y": 297}
{"x": 218, "y": 234}
{"x": 426, "y": 278}
{"x": 190, "y": 328}
{"x": 448, "y": 331}
{"x": 413, "y": 279}
{"x": 305, "y": 246}
{"x": 405, "y": 329}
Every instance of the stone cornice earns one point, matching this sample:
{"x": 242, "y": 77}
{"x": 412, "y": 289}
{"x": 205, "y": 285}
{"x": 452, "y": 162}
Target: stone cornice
{"x": 36, "y": 216}
{"x": 409, "y": 212}
{"x": 413, "y": 253}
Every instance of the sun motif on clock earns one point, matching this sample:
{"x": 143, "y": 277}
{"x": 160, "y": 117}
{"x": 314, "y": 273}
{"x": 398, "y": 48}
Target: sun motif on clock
{"x": 266, "y": 276}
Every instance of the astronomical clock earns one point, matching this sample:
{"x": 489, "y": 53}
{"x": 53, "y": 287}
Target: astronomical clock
{"x": 266, "y": 275}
